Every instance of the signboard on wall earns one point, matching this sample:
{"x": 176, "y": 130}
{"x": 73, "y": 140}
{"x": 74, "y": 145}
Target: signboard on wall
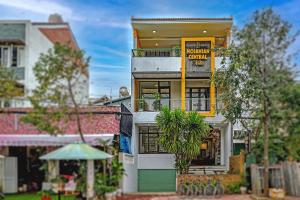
{"x": 198, "y": 58}
{"x": 198, "y": 62}
{"x": 197, "y": 52}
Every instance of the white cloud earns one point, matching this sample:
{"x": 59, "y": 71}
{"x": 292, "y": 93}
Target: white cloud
{"x": 38, "y": 6}
{"x": 103, "y": 65}
{"x": 113, "y": 51}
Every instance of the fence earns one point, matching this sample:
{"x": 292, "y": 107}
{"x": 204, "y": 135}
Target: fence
{"x": 291, "y": 172}
{"x": 285, "y": 176}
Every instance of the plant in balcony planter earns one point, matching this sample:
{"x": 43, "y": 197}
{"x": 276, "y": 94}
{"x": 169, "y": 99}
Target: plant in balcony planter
{"x": 140, "y": 53}
{"x": 176, "y": 50}
{"x": 156, "y": 103}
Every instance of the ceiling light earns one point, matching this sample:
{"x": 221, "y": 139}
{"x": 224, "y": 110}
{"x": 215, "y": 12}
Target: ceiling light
{"x": 204, "y": 31}
{"x": 156, "y": 44}
{"x": 154, "y": 31}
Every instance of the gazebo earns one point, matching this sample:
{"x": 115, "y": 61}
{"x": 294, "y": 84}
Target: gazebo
{"x": 77, "y": 151}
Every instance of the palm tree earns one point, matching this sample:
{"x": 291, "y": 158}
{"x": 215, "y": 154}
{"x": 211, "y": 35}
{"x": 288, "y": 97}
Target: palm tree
{"x": 182, "y": 134}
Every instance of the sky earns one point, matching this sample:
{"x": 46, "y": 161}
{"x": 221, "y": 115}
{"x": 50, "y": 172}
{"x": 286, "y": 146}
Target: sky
{"x": 102, "y": 27}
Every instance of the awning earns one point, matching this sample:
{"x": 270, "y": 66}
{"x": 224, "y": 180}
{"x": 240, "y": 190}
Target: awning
{"x": 48, "y": 140}
{"x": 76, "y": 151}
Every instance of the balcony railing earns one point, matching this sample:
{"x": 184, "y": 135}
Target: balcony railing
{"x": 157, "y": 52}
{"x": 194, "y": 104}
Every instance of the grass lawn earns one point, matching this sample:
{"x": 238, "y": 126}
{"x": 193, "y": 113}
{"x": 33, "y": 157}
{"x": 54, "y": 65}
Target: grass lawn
{"x": 31, "y": 196}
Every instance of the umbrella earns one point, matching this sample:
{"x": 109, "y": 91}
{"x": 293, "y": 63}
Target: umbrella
{"x": 80, "y": 151}
{"x": 76, "y": 151}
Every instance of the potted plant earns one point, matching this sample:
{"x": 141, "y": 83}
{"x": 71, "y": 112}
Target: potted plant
{"x": 102, "y": 187}
{"x": 243, "y": 184}
{"x": 58, "y": 183}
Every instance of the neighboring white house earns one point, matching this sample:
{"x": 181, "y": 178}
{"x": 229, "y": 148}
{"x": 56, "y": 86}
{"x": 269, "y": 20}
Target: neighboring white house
{"x": 174, "y": 58}
{"x": 22, "y": 42}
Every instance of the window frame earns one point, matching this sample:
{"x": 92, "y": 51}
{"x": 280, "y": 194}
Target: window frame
{"x": 158, "y": 89}
{"x": 146, "y": 150}
{"x": 189, "y": 98}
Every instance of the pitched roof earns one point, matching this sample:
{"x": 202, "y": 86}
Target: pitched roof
{"x": 94, "y": 120}
{"x": 62, "y": 35}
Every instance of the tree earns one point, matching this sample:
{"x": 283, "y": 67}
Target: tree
{"x": 258, "y": 70}
{"x": 289, "y": 119}
{"x": 10, "y": 88}
{"x": 182, "y": 134}
{"x": 62, "y": 74}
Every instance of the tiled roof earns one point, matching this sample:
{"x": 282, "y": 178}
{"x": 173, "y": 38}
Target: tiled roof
{"x": 94, "y": 120}
{"x": 60, "y": 35}
{"x": 83, "y": 109}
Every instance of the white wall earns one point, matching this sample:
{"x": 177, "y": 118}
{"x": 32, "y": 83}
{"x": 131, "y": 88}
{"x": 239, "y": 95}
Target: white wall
{"x": 36, "y": 44}
{"x": 152, "y": 64}
{"x": 129, "y": 180}
{"x": 156, "y": 161}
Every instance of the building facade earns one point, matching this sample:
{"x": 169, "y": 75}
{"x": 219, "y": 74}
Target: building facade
{"x": 21, "y": 44}
{"x": 173, "y": 62}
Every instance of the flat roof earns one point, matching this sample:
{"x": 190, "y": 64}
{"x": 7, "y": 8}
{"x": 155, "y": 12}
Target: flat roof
{"x": 181, "y": 20}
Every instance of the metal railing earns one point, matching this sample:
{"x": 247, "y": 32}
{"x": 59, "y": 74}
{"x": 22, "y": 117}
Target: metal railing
{"x": 194, "y": 104}
{"x": 157, "y": 52}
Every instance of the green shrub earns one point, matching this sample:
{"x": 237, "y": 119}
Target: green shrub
{"x": 233, "y": 188}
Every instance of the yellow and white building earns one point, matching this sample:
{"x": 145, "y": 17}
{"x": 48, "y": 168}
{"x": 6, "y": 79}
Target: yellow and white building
{"x": 173, "y": 61}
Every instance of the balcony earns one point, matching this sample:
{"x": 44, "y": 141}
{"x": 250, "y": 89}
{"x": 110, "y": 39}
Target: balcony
{"x": 156, "y": 63}
{"x": 157, "y": 52}
{"x": 191, "y": 104}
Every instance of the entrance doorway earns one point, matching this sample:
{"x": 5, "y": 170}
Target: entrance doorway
{"x": 210, "y": 150}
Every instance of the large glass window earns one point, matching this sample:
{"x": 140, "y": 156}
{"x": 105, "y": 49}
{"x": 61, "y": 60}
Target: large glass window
{"x": 148, "y": 140}
{"x": 197, "y": 99}
{"x": 12, "y": 56}
{"x": 154, "y": 95}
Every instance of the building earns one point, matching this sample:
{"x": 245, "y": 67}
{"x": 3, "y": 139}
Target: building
{"x": 174, "y": 59}
{"x": 22, "y": 42}
{"x": 23, "y": 143}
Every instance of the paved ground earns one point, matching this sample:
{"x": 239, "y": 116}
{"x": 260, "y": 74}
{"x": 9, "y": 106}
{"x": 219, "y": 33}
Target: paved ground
{"x": 175, "y": 197}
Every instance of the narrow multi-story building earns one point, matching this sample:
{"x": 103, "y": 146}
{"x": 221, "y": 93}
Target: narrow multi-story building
{"x": 21, "y": 44}
{"x": 173, "y": 62}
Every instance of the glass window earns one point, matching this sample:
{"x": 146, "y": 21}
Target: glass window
{"x": 14, "y": 57}
{"x": 5, "y": 56}
{"x": 154, "y": 94}
{"x": 148, "y": 140}
{"x": 21, "y": 57}
{"x": 197, "y": 99}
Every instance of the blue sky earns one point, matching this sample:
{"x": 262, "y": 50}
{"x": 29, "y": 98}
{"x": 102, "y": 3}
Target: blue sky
{"x": 102, "y": 27}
